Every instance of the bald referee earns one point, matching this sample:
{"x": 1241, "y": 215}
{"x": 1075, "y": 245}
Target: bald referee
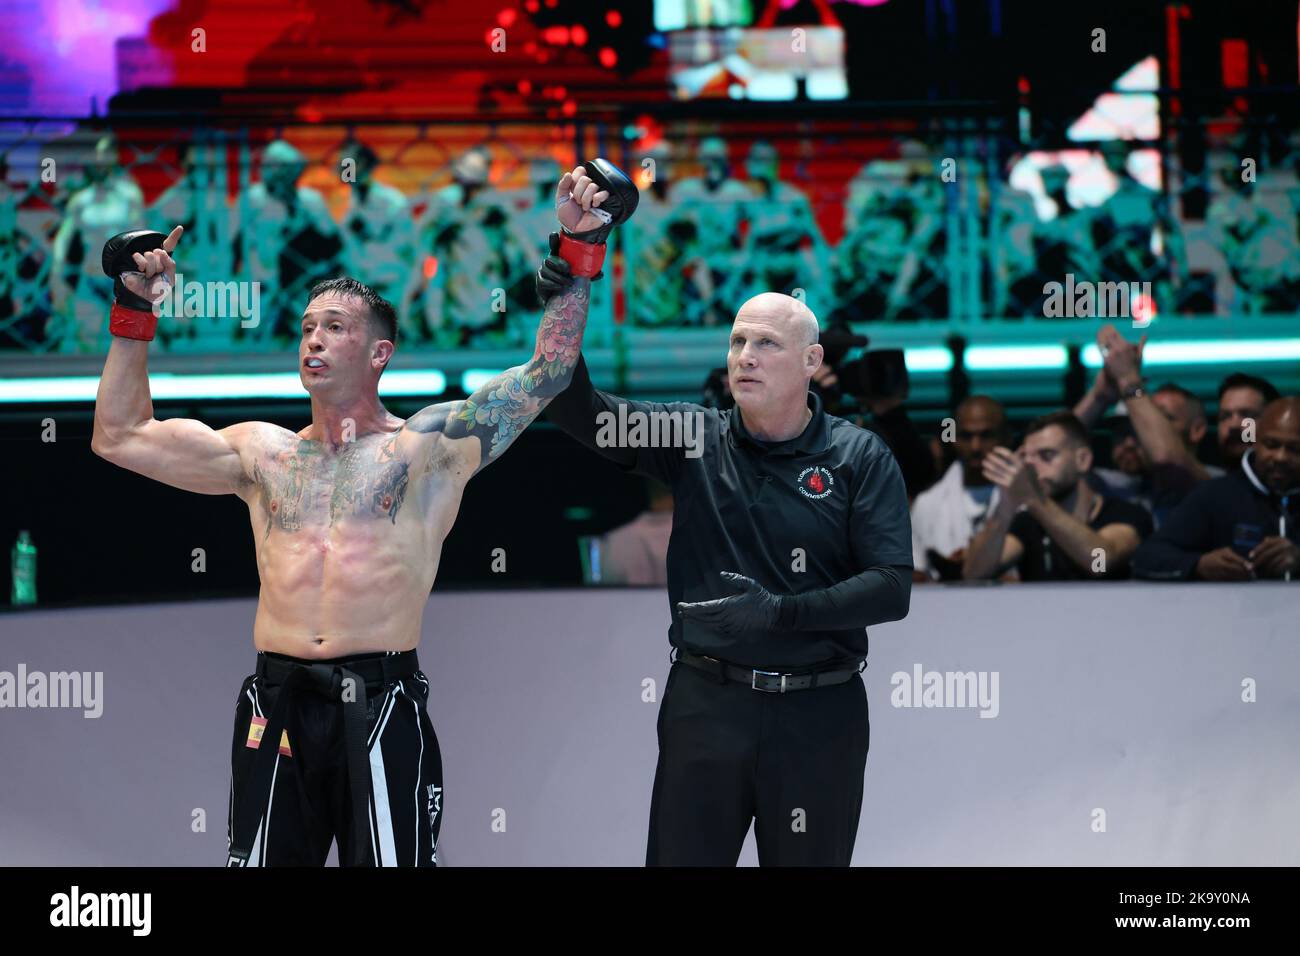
{"x": 790, "y": 537}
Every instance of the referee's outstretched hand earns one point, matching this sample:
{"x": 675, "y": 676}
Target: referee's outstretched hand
{"x": 555, "y": 275}
{"x": 752, "y": 608}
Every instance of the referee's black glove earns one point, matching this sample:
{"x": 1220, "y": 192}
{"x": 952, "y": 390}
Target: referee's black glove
{"x": 555, "y": 275}
{"x": 753, "y": 608}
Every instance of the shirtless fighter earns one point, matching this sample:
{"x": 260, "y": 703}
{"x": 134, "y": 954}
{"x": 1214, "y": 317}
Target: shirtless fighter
{"x": 332, "y": 738}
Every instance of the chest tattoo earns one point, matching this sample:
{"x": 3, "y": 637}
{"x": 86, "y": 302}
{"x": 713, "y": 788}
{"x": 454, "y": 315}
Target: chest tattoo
{"x": 305, "y": 486}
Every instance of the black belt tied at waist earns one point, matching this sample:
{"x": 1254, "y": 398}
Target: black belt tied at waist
{"x": 344, "y": 681}
{"x": 771, "y": 682}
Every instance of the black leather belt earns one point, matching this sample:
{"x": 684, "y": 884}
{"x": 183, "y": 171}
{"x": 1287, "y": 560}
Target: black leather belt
{"x": 771, "y": 682}
{"x": 328, "y": 679}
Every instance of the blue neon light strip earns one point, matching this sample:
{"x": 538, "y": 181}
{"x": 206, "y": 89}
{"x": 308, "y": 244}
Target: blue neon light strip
{"x": 164, "y": 386}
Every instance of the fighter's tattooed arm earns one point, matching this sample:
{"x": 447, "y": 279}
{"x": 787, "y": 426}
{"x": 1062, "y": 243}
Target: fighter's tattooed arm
{"x": 505, "y": 405}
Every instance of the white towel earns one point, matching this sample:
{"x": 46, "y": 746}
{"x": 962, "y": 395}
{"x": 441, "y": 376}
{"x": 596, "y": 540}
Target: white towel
{"x": 945, "y": 517}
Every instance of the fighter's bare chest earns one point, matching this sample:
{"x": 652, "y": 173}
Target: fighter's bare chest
{"x": 304, "y": 485}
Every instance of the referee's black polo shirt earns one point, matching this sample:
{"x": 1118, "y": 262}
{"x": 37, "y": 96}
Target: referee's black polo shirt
{"x": 796, "y": 516}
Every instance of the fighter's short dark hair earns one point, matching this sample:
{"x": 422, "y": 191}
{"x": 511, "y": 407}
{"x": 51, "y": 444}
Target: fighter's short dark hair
{"x": 383, "y": 317}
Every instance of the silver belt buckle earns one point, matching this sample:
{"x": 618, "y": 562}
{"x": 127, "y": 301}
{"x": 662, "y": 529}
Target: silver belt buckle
{"x": 753, "y": 681}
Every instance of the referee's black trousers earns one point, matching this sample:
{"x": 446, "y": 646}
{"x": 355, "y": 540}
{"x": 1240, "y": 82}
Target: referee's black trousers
{"x": 792, "y": 763}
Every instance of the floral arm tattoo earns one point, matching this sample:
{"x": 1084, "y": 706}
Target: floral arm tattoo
{"x": 504, "y": 405}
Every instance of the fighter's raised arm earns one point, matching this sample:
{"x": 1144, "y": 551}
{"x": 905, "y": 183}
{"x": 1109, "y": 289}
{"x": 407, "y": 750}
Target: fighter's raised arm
{"x": 180, "y": 452}
{"x": 590, "y": 201}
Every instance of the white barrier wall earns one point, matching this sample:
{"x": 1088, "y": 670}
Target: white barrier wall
{"x": 1132, "y": 724}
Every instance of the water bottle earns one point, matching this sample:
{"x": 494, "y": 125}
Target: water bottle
{"x": 23, "y": 567}
{"x": 589, "y": 552}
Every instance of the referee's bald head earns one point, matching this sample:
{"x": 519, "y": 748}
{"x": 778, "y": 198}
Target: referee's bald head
{"x": 791, "y": 313}
{"x": 772, "y": 355}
